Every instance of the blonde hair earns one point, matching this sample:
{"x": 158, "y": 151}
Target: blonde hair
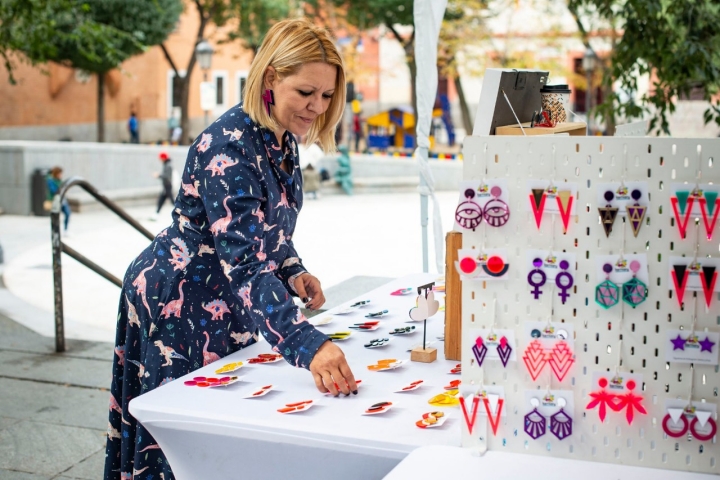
{"x": 288, "y": 46}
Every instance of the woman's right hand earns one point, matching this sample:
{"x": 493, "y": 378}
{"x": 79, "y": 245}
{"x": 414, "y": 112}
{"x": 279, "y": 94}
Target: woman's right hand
{"x": 329, "y": 368}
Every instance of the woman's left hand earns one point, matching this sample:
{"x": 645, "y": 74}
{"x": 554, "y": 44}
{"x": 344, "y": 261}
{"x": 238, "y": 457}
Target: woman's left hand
{"x": 308, "y": 288}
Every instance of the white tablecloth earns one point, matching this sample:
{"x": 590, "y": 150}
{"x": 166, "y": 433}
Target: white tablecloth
{"x": 216, "y": 434}
{"x": 440, "y": 462}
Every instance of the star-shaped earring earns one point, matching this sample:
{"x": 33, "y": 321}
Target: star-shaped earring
{"x": 706, "y": 345}
{"x": 678, "y": 343}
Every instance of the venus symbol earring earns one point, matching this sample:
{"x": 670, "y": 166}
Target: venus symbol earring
{"x": 469, "y": 214}
{"x": 537, "y": 263}
{"x": 269, "y": 99}
{"x": 564, "y": 265}
{"x": 636, "y": 212}
{"x": 607, "y": 294}
{"x": 608, "y": 213}
{"x": 497, "y": 212}
{"x": 634, "y": 290}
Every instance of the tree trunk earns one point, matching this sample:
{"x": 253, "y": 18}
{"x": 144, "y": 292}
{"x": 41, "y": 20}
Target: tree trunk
{"x": 184, "y": 85}
{"x": 101, "y": 108}
{"x": 464, "y": 109}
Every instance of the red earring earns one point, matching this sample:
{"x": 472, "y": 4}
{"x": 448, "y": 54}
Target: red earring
{"x": 269, "y": 99}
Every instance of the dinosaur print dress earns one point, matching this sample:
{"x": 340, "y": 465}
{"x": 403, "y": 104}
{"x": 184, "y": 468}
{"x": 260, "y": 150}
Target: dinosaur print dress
{"x": 218, "y": 275}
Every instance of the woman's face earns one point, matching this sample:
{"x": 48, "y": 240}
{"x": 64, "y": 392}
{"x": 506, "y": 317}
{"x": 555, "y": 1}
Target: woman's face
{"x": 300, "y": 98}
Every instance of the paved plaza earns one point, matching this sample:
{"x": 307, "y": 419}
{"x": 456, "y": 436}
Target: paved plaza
{"x": 53, "y": 407}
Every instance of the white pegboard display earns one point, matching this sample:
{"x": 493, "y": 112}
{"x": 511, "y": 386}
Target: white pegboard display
{"x": 636, "y": 339}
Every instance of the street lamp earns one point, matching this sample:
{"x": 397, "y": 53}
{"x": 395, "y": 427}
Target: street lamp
{"x": 204, "y": 53}
{"x": 589, "y": 62}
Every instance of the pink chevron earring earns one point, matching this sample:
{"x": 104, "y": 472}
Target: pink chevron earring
{"x": 269, "y": 99}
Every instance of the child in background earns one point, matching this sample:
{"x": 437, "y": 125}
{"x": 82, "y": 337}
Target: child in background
{"x": 54, "y": 180}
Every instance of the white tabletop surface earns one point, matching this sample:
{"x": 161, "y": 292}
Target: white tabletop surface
{"x": 202, "y": 429}
{"x": 437, "y": 462}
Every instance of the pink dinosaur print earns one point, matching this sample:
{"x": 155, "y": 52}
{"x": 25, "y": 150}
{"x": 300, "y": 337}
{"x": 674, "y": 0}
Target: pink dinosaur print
{"x": 204, "y": 142}
{"x": 138, "y": 472}
{"x": 271, "y": 267}
{"x": 234, "y": 134}
{"x": 280, "y": 337}
{"x": 183, "y": 221}
{"x": 219, "y": 163}
{"x": 227, "y": 268}
{"x": 114, "y": 405}
{"x": 181, "y": 255}
{"x": 113, "y": 434}
{"x": 221, "y": 224}
{"x": 208, "y": 357}
{"x": 163, "y": 233}
{"x": 261, "y": 256}
{"x": 218, "y": 308}
{"x": 267, "y": 228}
{"x": 173, "y": 307}
{"x": 169, "y": 353}
{"x": 141, "y": 373}
{"x": 191, "y": 189}
{"x": 140, "y": 283}
{"x": 133, "y": 318}
{"x": 244, "y": 293}
{"x": 241, "y": 337}
{"x": 259, "y": 214}
{"x": 283, "y": 198}
{"x": 281, "y": 240}
{"x": 150, "y": 447}
{"x": 120, "y": 352}
{"x": 205, "y": 249}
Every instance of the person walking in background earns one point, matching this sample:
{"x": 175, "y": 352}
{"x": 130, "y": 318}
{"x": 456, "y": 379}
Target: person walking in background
{"x": 166, "y": 178}
{"x": 311, "y": 181}
{"x": 54, "y": 180}
{"x": 357, "y": 130}
{"x": 133, "y": 128}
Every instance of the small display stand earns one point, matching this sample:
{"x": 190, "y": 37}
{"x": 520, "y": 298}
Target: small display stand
{"x": 571, "y": 128}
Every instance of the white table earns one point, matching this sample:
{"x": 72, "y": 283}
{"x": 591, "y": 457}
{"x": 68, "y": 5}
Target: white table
{"x": 440, "y": 462}
{"x": 215, "y": 433}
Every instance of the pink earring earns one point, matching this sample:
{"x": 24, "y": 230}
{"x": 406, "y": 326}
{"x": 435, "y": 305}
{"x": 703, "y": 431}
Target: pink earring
{"x": 269, "y": 99}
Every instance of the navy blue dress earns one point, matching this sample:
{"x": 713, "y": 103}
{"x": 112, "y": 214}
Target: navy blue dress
{"x": 218, "y": 275}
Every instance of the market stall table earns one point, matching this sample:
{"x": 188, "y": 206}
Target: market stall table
{"x": 512, "y": 466}
{"x": 216, "y": 433}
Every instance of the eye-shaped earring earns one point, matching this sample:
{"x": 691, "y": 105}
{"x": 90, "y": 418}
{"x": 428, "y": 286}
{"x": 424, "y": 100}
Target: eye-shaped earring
{"x": 469, "y": 214}
{"x": 497, "y": 212}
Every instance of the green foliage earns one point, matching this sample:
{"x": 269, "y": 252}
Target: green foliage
{"x": 255, "y": 17}
{"x": 676, "y": 42}
{"x": 93, "y": 35}
{"x": 371, "y": 13}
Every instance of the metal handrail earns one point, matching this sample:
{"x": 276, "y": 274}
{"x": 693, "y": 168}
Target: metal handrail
{"x": 59, "y": 247}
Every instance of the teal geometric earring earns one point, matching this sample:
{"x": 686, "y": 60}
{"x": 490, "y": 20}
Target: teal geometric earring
{"x": 607, "y": 293}
{"x": 634, "y": 290}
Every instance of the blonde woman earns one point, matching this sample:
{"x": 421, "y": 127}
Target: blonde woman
{"x": 224, "y": 271}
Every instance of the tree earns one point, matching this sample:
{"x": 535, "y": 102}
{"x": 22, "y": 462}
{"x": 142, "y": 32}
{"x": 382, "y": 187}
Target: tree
{"x": 366, "y": 14}
{"x": 34, "y": 27}
{"x": 91, "y": 35}
{"x": 676, "y": 43}
{"x": 247, "y": 21}
{"x": 463, "y": 24}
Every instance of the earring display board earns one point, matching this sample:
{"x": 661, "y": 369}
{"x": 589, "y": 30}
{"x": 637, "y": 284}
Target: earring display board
{"x": 590, "y": 300}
